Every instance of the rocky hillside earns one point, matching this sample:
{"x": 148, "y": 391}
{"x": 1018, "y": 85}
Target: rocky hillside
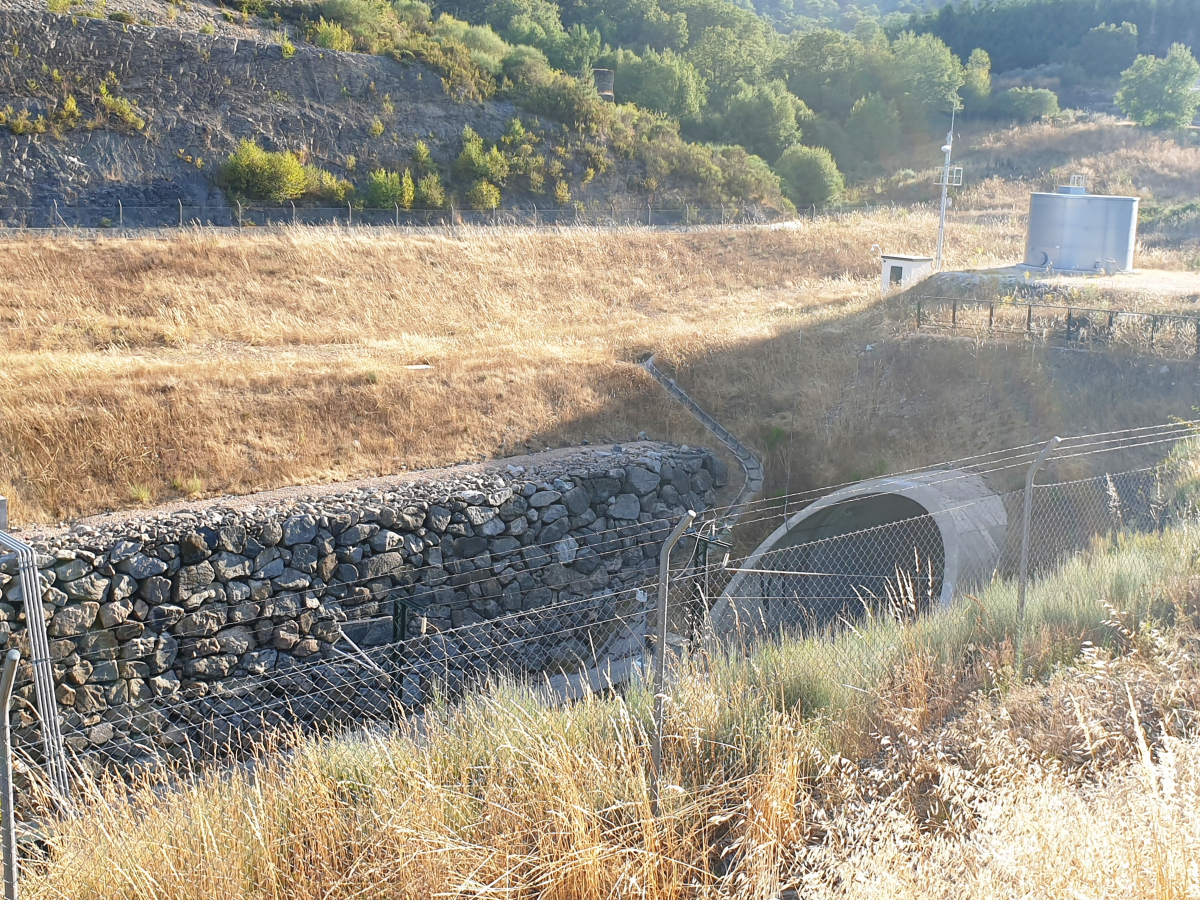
{"x": 100, "y": 112}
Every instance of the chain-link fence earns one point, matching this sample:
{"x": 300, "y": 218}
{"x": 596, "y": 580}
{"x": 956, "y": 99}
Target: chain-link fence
{"x": 119, "y": 216}
{"x": 847, "y": 588}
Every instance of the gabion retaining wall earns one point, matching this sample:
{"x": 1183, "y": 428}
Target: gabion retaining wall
{"x": 164, "y": 624}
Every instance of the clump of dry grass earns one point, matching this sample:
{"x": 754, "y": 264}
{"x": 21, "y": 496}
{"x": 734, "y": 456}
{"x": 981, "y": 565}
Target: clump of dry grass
{"x": 779, "y": 775}
{"x": 255, "y": 361}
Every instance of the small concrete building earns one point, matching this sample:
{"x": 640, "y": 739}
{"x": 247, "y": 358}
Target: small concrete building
{"x": 900, "y": 270}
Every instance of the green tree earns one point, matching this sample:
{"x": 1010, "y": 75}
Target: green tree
{"x": 809, "y": 175}
{"x": 874, "y": 127}
{"x": 1107, "y": 50}
{"x": 258, "y": 174}
{"x": 925, "y": 76}
{"x": 430, "y": 193}
{"x": 1025, "y": 104}
{"x": 827, "y": 70}
{"x": 977, "y": 80}
{"x": 664, "y": 82}
{"x": 483, "y": 195}
{"x": 763, "y": 118}
{"x": 1161, "y": 91}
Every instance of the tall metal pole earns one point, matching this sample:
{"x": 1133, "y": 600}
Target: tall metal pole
{"x": 948, "y": 148}
{"x": 8, "y": 821}
{"x": 1028, "y": 518}
{"x": 660, "y": 655}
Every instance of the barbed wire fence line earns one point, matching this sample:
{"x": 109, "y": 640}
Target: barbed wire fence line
{"x": 120, "y": 217}
{"x": 846, "y": 583}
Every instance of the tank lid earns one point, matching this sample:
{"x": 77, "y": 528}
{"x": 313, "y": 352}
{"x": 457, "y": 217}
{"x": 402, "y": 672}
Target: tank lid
{"x": 1072, "y": 189}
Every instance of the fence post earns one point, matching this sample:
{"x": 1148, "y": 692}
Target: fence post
{"x": 1022, "y": 583}
{"x": 1068, "y": 324}
{"x": 239, "y": 206}
{"x": 39, "y": 655}
{"x": 991, "y": 315}
{"x": 1153, "y": 330}
{"x": 1029, "y": 319}
{"x": 293, "y": 202}
{"x": 660, "y": 655}
{"x": 120, "y": 215}
{"x": 649, "y": 215}
{"x": 954, "y": 314}
{"x": 349, "y": 215}
{"x": 918, "y": 315}
{"x": 8, "y": 823}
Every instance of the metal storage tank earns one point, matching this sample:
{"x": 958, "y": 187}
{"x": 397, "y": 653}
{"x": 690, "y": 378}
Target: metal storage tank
{"x": 1074, "y": 231}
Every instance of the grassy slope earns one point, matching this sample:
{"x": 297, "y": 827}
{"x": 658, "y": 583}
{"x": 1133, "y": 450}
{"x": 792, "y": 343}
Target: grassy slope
{"x": 828, "y": 764}
{"x": 240, "y": 362}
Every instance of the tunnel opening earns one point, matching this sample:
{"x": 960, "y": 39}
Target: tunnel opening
{"x": 879, "y": 553}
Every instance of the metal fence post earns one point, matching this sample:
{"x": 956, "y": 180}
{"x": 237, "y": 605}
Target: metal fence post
{"x": 120, "y": 215}
{"x": 180, "y": 213}
{"x": 43, "y": 673}
{"x": 8, "y": 822}
{"x": 660, "y": 655}
{"x": 1022, "y": 583}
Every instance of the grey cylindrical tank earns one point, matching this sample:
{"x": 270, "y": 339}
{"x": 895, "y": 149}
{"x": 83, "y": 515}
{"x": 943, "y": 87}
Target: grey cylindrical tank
{"x": 1078, "y": 232}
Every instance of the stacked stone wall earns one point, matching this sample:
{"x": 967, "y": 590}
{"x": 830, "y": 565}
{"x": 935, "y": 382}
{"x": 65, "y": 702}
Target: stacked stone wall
{"x": 173, "y": 628}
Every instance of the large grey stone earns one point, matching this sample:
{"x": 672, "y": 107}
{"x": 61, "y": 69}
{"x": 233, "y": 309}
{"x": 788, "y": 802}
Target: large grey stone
{"x": 123, "y": 586}
{"x": 437, "y": 519}
{"x": 625, "y": 506}
{"x": 73, "y": 619}
{"x": 492, "y": 527}
{"x": 238, "y": 639}
{"x": 155, "y": 590}
{"x": 640, "y": 481}
{"x": 299, "y": 530}
{"x": 163, "y": 616}
{"x": 201, "y": 622}
{"x": 370, "y": 632}
{"x": 477, "y": 515}
{"x": 166, "y": 649}
{"x": 566, "y": 550}
{"x": 89, "y": 587}
{"x": 116, "y": 612}
{"x": 194, "y": 578}
{"x": 227, "y": 566}
{"x": 383, "y": 564}
{"x": 259, "y": 662}
{"x": 553, "y": 513}
{"x": 291, "y": 580}
{"x": 576, "y": 500}
{"x": 544, "y": 498}
{"x": 71, "y": 570}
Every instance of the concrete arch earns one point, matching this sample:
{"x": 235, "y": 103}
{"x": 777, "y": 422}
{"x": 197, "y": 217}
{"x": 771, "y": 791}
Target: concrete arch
{"x": 950, "y": 519}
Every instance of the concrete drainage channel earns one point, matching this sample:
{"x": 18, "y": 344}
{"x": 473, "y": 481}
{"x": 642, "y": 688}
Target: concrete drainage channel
{"x": 749, "y": 462}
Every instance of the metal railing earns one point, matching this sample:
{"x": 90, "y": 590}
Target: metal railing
{"x": 1164, "y": 334}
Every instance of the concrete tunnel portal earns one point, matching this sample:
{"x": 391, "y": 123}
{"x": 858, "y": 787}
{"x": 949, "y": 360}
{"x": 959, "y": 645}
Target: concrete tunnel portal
{"x": 919, "y": 538}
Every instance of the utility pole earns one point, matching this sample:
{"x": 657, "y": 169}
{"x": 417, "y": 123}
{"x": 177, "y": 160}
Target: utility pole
{"x": 949, "y": 176}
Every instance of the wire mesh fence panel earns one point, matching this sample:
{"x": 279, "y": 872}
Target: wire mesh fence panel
{"x": 824, "y": 613}
{"x": 1169, "y": 336}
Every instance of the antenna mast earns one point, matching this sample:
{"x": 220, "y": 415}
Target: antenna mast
{"x": 950, "y": 175}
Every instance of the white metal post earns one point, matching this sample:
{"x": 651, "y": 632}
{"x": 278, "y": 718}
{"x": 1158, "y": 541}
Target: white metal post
{"x": 8, "y": 819}
{"x": 39, "y": 653}
{"x": 948, "y": 148}
{"x": 660, "y": 654}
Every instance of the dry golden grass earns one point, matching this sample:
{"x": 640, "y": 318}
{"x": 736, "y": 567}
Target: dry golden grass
{"x": 895, "y": 760}
{"x": 153, "y": 369}
{"x": 248, "y": 362}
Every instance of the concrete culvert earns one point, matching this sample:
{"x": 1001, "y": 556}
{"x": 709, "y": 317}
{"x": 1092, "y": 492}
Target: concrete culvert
{"x": 914, "y": 539}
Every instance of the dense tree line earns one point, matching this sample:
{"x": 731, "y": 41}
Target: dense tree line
{"x": 1027, "y": 33}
